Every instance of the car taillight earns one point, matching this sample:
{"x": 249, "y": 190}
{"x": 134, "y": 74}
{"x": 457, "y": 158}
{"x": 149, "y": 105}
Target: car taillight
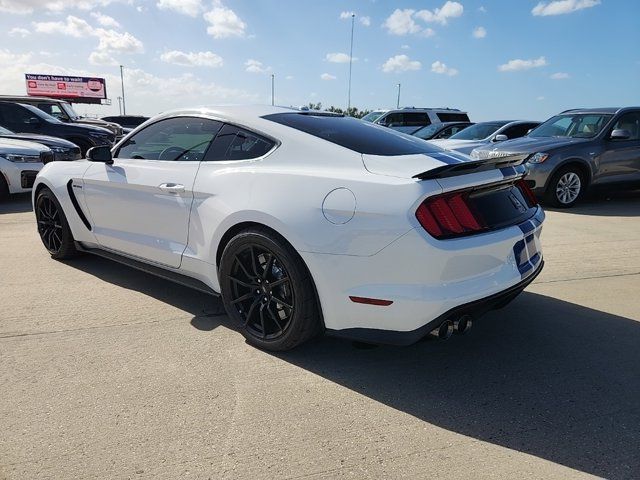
{"x": 448, "y": 215}
{"x": 467, "y": 212}
{"x": 527, "y": 192}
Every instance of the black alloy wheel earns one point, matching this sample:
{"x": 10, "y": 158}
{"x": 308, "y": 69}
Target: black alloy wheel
{"x": 267, "y": 289}
{"x": 53, "y": 227}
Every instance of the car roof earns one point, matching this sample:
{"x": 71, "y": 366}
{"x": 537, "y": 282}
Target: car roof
{"x": 609, "y": 110}
{"x": 21, "y": 98}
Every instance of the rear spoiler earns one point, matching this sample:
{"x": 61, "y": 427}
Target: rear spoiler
{"x": 473, "y": 166}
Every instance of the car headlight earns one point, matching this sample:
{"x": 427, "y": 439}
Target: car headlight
{"x": 538, "y": 157}
{"x": 22, "y": 158}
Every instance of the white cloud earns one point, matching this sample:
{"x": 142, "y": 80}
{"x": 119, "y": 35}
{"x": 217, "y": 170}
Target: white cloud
{"x": 72, "y": 26}
{"x": 540, "y": 98}
{"x": 428, "y": 32}
{"x": 559, "y": 76}
{"x": 481, "y": 9}
{"x": 102, "y": 58}
{"x": 561, "y": 7}
{"x": 108, "y": 40}
{"x": 24, "y": 7}
{"x": 105, "y": 20}
{"x": 400, "y": 63}
{"x": 346, "y": 15}
{"x": 441, "y": 68}
{"x": 19, "y": 32}
{"x": 366, "y": 21}
{"x": 192, "y": 59}
{"x": 518, "y": 64}
{"x": 186, "y": 7}
{"x": 401, "y": 22}
{"x": 289, "y": 77}
{"x": 479, "y": 32}
{"x": 405, "y": 47}
{"x": 112, "y": 41}
{"x": 224, "y": 22}
{"x": 338, "y": 58}
{"x": 327, "y": 76}
{"x": 254, "y": 66}
{"x": 443, "y": 14}
{"x": 9, "y": 58}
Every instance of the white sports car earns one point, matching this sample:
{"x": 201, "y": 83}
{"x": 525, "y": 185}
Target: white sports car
{"x": 302, "y": 221}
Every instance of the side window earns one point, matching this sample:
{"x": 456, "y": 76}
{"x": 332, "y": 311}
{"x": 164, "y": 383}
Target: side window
{"x": 174, "y": 139}
{"x": 517, "y": 131}
{"x": 393, "y": 118}
{"x": 15, "y": 116}
{"x": 416, "y": 119}
{"x": 630, "y": 122}
{"x": 453, "y": 117}
{"x": 233, "y": 143}
{"x": 53, "y": 110}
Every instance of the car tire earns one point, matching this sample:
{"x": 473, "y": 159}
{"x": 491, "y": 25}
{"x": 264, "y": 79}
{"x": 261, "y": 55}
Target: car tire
{"x": 268, "y": 290}
{"x": 566, "y": 187}
{"x": 53, "y": 227}
{"x": 4, "y": 188}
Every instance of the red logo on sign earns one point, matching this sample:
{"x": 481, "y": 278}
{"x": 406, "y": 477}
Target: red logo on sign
{"x": 62, "y": 86}
{"x": 33, "y": 84}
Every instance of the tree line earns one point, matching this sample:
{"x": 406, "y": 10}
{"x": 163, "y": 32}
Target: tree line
{"x": 349, "y": 112}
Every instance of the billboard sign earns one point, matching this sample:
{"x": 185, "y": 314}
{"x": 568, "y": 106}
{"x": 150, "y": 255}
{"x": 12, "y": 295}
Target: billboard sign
{"x": 76, "y": 89}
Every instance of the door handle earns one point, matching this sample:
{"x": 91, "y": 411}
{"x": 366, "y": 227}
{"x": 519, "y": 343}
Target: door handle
{"x": 171, "y": 187}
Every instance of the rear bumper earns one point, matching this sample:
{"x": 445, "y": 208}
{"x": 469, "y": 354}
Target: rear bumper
{"x": 474, "y": 309}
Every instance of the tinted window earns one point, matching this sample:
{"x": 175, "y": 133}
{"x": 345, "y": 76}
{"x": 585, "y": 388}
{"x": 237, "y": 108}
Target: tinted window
{"x": 453, "y": 117}
{"x": 233, "y": 143}
{"x": 519, "y": 130}
{"x": 427, "y": 132}
{"x": 479, "y": 131}
{"x": 356, "y": 135}
{"x": 53, "y": 110}
{"x": 631, "y": 123}
{"x": 16, "y": 117}
{"x": 173, "y": 139}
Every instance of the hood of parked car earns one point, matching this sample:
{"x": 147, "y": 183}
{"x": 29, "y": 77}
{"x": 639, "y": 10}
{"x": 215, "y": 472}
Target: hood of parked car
{"x": 528, "y": 145}
{"x": 463, "y": 146}
{"x": 43, "y": 139}
{"x": 112, "y": 127}
{"x": 10, "y": 145}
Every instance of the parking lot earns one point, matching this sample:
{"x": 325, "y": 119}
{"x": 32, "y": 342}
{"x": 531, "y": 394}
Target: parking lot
{"x": 109, "y": 372}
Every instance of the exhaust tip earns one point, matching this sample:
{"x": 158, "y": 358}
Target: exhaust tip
{"x": 444, "y": 330}
{"x": 463, "y": 324}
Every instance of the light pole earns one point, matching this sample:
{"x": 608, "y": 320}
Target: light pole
{"x": 273, "y": 89}
{"x": 124, "y": 108}
{"x": 398, "y": 102}
{"x": 353, "y": 19}
{"x": 120, "y": 105}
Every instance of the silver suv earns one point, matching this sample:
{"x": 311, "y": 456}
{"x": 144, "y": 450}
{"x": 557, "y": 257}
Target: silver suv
{"x": 576, "y": 150}
{"x": 410, "y": 119}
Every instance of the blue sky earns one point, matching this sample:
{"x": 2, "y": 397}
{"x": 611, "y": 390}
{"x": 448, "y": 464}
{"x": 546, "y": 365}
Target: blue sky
{"x": 497, "y": 59}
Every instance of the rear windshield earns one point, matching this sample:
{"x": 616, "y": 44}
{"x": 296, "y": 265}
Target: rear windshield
{"x": 453, "y": 117}
{"x": 356, "y": 135}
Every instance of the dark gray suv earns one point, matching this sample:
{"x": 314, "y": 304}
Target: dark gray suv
{"x": 575, "y": 150}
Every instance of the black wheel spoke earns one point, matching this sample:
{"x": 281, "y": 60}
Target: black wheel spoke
{"x": 242, "y": 267}
{"x": 268, "y": 266}
{"x": 279, "y": 282}
{"x": 251, "y": 310}
{"x": 274, "y": 318}
{"x": 253, "y": 262}
{"x": 240, "y": 282}
{"x": 244, "y": 297}
{"x": 264, "y": 330}
{"x": 282, "y": 302}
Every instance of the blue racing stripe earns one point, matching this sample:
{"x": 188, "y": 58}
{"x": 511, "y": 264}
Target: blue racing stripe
{"x": 450, "y": 158}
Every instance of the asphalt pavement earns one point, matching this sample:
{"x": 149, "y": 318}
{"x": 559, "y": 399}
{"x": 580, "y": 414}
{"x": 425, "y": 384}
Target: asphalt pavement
{"x": 107, "y": 372}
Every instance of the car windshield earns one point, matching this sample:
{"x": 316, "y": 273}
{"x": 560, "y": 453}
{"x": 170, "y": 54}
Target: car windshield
{"x": 582, "y": 125}
{"x": 479, "y": 131}
{"x": 39, "y": 113}
{"x": 373, "y": 116}
{"x": 427, "y": 132}
{"x": 5, "y": 131}
{"x": 70, "y": 111}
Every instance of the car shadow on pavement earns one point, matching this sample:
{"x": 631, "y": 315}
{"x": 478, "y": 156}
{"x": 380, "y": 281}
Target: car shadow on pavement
{"x": 606, "y": 203}
{"x": 207, "y": 310}
{"x": 18, "y": 203}
{"x": 542, "y": 376}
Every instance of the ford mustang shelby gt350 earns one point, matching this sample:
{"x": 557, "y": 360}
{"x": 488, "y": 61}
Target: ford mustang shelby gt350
{"x": 302, "y": 221}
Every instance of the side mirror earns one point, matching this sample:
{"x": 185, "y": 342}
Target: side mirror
{"x": 620, "y": 134}
{"x": 500, "y": 138}
{"x": 100, "y": 154}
